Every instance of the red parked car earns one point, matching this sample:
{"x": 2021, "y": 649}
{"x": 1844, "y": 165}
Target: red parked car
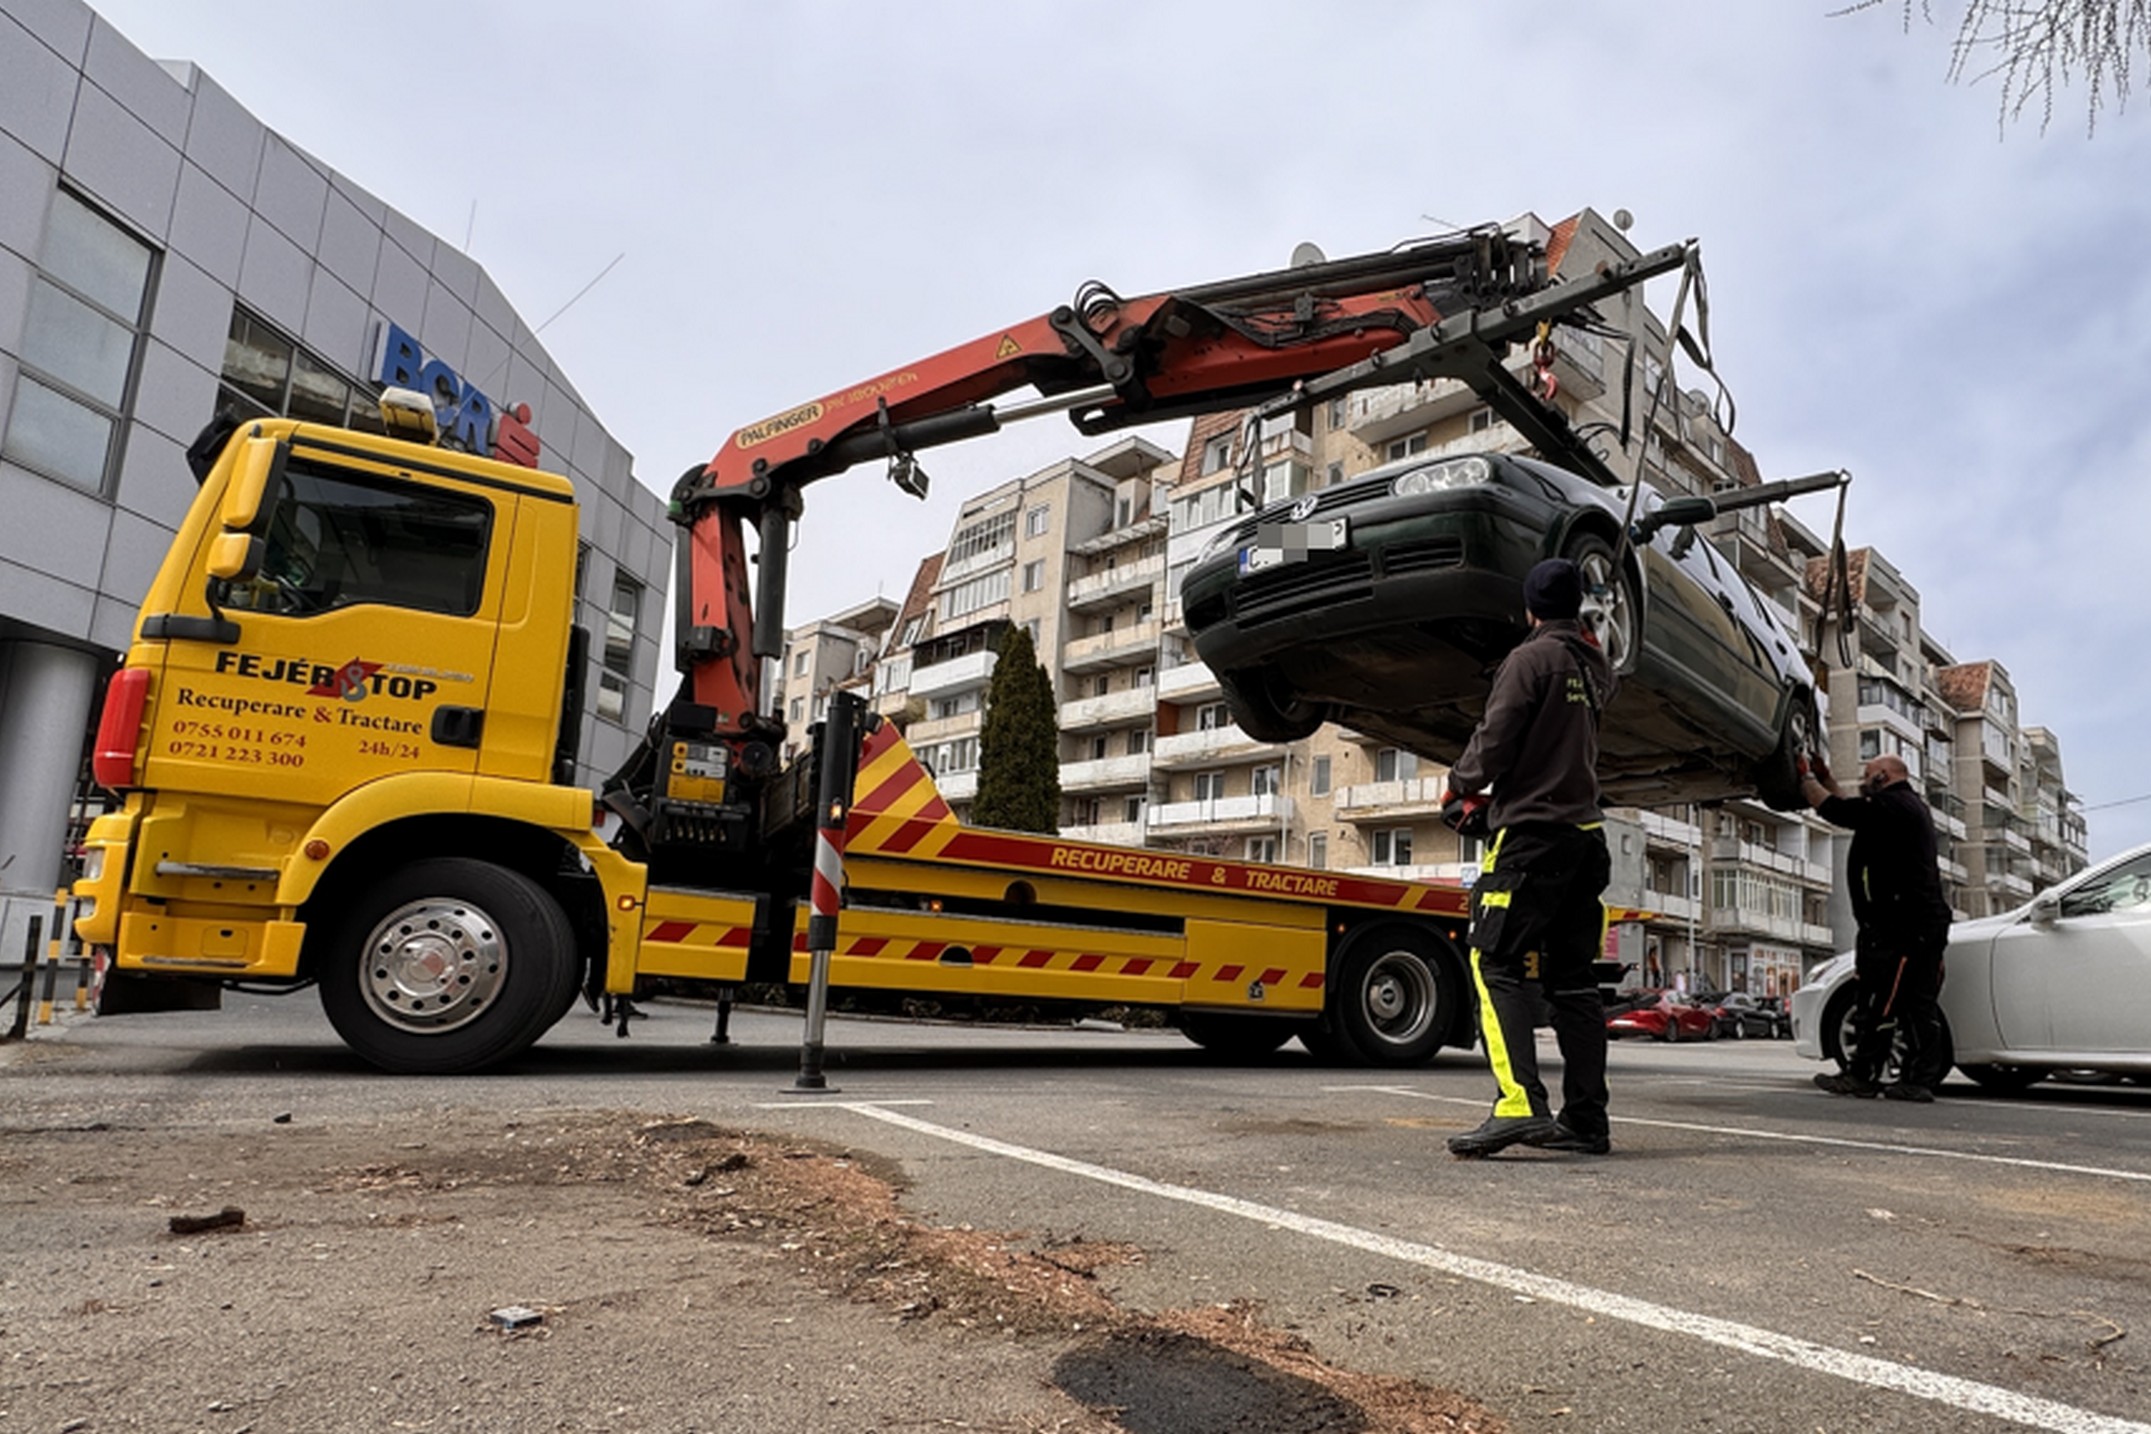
{"x": 1664, "y": 1015}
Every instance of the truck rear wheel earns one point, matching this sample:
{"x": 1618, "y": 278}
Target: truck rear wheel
{"x": 447, "y": 966}
{"x": 1393, "y": 994}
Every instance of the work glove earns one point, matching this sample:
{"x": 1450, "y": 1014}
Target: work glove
{"x": 1466, "y": 816}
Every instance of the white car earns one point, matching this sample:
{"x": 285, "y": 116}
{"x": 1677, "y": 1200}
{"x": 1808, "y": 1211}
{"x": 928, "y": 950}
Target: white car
{"x": 2060, "y": 984}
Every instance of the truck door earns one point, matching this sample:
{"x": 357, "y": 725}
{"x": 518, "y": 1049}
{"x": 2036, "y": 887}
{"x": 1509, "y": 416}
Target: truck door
{"x": 363, "y": 647}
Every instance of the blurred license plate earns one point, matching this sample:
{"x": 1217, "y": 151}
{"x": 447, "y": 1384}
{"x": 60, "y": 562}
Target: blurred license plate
{"x": 1291, "y": 542}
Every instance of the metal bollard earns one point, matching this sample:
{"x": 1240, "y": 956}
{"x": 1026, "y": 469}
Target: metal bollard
{"x": 53, "y": 944}
{"x": 21, "y": 1025}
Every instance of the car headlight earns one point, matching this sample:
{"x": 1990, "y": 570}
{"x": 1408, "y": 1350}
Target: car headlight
{"x": 1441, "y": 477}
{"x": 1219, "y": 541}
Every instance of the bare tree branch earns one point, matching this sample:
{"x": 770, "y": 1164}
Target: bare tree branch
{"x": 2034, "y": 48}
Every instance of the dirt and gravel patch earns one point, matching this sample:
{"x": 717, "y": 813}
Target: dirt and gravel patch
{"x": 688, "y": 1277}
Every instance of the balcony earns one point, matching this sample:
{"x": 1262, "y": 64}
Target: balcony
{"x": 925, "y": 733}
{"x": 1728, "y": 920}
{"x": 1188, "y": 682}
{"x": 1724, "y": 849}
{"x": 1662, "y": 830}
{"x": 1129, "y": 646}
{"x": 1215, "y": 744}
{"x": 1378, "y": 415}
{"x": 1390, "y": 801}
{"x": 1107, "y": 833}
{"x": 1221, "y": 816}
{"x": 1883, "y": 714}
{"x": 958, "y": 674}
{"x": 1669, "y": 907}
{"x": 958, "y": 786}
{"x": 1102, "y": 588}
{"x": 1106, "y": 773}
{"x": 1134, "y": 704}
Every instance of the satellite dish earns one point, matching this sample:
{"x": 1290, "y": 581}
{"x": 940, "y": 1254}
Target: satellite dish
{"x": 1306, "y": 255}
{"x": 1622, "y": 220}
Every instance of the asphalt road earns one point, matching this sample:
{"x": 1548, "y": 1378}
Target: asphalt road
{"x": 1754, "y": 1255}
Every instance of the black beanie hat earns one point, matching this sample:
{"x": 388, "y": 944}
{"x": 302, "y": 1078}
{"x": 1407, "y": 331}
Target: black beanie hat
{"x": 1553, "y": 589}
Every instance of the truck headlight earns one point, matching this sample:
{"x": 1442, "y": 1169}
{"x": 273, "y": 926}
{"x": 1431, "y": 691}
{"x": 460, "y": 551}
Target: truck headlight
{"x": 93, "y": 863}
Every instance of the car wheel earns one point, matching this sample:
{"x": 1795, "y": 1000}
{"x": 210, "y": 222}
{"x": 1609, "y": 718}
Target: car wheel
{"x": 1777, "y": 778}
{"x": 1672, "y": 1031}
{"x": 2003, "y": 1080}
{"x": 1236, "y": 1037}
{"x": 1609, "y": 599}
{"x": 447, "y": 966}
{"x": 1261, "y": 712}
{"x": 1394, "y": 995}
{"x": 1740, "y": 1030}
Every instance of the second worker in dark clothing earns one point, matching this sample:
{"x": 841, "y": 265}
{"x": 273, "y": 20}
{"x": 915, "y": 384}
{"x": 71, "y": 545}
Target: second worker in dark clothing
{"x": 1537, "y": 923}
{"x": 1903, "y": 921}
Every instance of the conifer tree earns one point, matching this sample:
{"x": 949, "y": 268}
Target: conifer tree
{"x": 1019, "y": 770}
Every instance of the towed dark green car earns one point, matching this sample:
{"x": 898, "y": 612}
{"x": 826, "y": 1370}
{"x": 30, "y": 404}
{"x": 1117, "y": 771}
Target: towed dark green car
{"x": 1385, "y": 602}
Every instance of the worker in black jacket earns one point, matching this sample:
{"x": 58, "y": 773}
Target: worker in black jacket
{"x": 1903, "y": 923}
{"x": 1537, "y": 923}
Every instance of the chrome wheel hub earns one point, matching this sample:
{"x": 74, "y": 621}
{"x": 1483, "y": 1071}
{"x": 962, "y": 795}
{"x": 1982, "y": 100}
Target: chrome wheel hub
{"x": 433, "y": 965}
{"x": 1399, "y": 997}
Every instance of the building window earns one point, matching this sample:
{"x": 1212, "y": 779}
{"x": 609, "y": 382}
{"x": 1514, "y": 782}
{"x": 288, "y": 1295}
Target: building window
{"x": 1144, "y": 676}
{"x": 1038, "y": 521}
{"x": 1209, "y": 786}
{"x": 1131, "y": 809}
{"x": 799, "y": 709}
{"x": 1034, "y": 575}
{"x": 1481, "y": 419}
{"x": 1097, "y": 748}
{"x": 1124, "y": 512}
{"x": 1212, "y": 717}
{"x": 989, "y": 535}
{"x": 1336, "y": 414}
{"x": 1031, "y": 630}
{"x": 1392, "y": 765}
{"x": 1262, "y": 848}
{"x": 1265, "y": 780}
{"x": 1318, "y": 781}
{"x": 799, "y": 663}
{"x": 1393, "y": 847}
{"x": 1333, "y": 475}
{"x": 978, "y": 593}
{"x": 79, "y": 340}
{"x": 946, "y": 707}
{"x": 267, "y": 374}
{"x": 1406, "y": 447}
{"x": 1101, "y": 684}
{"x": 1138, "y": 741}
{"x": 1318, "y": 851}
{"x": 1217, "y": 454}
{"x": 620, "y": 623}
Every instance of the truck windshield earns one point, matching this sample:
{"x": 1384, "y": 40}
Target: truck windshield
{"x": 337, "y": 538}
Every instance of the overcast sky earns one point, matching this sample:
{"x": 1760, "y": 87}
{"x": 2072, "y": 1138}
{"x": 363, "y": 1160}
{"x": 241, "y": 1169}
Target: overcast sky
{"x": 811, "y": 194}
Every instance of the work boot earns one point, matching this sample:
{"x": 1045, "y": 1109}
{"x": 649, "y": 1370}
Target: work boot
{"x": 1846, "y": 1084}
{"x": 1901, "y": 1091}
{"x": 1569, "y": 1141}
{"x": 1498, "y": 1134}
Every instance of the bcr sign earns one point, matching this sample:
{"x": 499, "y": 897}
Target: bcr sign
{"x": 469, "y": 420}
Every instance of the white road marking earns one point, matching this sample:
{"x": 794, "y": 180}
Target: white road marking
{"x": 824, "y": 1103}
{"x": 1752, "y": 1133}
{"x": 1965, "y": 1394}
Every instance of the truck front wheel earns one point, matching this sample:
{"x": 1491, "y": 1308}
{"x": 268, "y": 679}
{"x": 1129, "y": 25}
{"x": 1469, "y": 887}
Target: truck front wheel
{"x": 1392, "y": 995}
{"x": 447, "y": 966}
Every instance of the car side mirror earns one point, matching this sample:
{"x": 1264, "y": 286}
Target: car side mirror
{"x": 2045, "y": 909}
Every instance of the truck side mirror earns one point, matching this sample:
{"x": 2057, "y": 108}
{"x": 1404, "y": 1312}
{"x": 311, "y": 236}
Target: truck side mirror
{"x": 235, "y": 557}
{"x": 259, "y": 464}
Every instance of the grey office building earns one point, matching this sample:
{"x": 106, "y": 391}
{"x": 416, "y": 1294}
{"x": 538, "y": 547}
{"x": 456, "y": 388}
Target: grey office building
{"x": 162, "y": 255}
